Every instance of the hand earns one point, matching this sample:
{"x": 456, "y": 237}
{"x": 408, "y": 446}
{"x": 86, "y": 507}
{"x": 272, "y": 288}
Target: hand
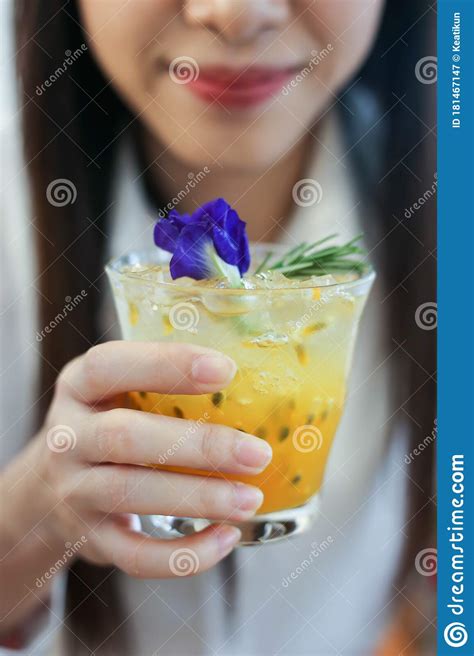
{"x": 96, "y": 482}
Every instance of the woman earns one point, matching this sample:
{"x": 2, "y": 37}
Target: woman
{"x": 123, "y": 102}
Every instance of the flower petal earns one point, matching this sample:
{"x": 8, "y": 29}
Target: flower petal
{"x": 190, "y": 256}
{"x": 244, "y": 251}
{"x": 205, "y": 242}
{"x": 165, "y": 235}
{"x": 180, "y": 220}
{"x": 225, "y": 246}
{"x": 214, "y": 211}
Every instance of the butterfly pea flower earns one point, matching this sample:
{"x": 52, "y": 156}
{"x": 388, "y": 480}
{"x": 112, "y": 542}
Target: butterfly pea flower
{"x": 211, "y": 242}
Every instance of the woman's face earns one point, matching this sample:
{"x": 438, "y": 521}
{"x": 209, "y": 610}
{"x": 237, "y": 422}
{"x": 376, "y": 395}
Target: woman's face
{"x": 229, "y": 82}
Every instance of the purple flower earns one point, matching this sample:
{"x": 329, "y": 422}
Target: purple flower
{"x": 210, "y": 242}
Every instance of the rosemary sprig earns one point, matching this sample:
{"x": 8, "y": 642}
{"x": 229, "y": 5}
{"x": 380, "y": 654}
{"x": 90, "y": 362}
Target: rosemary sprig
{"x": 307, "y": 260}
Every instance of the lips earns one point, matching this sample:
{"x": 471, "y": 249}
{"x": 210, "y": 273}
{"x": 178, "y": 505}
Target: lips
{"x": 239, "y": 88}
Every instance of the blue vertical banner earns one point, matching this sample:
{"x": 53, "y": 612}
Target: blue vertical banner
{"x": 455, "y": 448}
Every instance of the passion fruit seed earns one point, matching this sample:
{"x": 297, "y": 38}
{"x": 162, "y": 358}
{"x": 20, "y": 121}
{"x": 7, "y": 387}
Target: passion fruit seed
{"x": 314, "y": 328}
{"x": 284, "y": 432}
{"x": 261, "y": 432}
{"x": 296, "y": 479}
{"x": 301, "y": 354}
{"x": 217, "y": 399}
{"x": 142, "y": 395}
{"x": 324, "y": 415}
{"x": 167, "y": 325}
{"x": 310, "y": 418}
{"x": 178, "y": 412}
{"x": 133, "y": 314}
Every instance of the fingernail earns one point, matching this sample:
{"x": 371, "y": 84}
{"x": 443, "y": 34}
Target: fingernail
{"x": 253, "y": 452}
{"x": 247, "y": 497}
{"x": 218, "y": 369}
{"x": 227, "y": 538}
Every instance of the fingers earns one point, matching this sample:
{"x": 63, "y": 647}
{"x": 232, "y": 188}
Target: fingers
{"x": 146, "y": 491}
{"x": 142, "y": 556}
{"x": 129, "y": 436}
{"x": 116, "y": 367}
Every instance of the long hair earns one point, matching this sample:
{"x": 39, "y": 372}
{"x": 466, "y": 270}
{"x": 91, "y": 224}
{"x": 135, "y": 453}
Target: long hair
{"x": 72, "y": 131}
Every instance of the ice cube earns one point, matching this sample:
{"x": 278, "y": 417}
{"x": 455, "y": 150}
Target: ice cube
{"x": 229, "y": 304}
{"x": 269, "y": 340}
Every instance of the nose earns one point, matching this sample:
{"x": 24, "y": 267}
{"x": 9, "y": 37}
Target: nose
{"x": 238, "y": 21}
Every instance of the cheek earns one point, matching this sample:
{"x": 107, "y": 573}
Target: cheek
{"x": 349, "y": 27}
{"x": 120, "y": 34}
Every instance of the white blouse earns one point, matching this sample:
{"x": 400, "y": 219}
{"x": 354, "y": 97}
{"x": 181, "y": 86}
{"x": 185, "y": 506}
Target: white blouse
{"x": 339, "y": 603}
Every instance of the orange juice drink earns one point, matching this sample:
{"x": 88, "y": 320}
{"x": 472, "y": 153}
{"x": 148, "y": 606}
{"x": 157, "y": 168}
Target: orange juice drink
{"x": 292, "y": 342}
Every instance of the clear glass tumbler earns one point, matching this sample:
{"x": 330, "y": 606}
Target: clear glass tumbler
{"x": 293, "y": 346}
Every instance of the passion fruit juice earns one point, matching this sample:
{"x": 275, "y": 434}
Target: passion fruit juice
{"x": 292, "y": 345}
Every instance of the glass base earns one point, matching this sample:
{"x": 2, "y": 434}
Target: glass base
{"x": 258, "y": 530}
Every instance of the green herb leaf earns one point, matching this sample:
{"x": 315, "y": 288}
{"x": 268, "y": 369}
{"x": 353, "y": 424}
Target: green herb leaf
{"x": 308, "y": 260}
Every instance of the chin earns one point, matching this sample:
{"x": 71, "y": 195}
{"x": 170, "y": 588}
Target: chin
{"x": 241, "y": 146}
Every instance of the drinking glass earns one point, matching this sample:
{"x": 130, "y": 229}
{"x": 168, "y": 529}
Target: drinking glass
{"x": 293, "y": 345}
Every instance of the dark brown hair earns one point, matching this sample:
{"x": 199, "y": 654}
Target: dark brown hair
{"x": 72, "y": 130}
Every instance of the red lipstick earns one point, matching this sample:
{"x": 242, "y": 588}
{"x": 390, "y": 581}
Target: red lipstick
{"x": 239, "y": 88}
